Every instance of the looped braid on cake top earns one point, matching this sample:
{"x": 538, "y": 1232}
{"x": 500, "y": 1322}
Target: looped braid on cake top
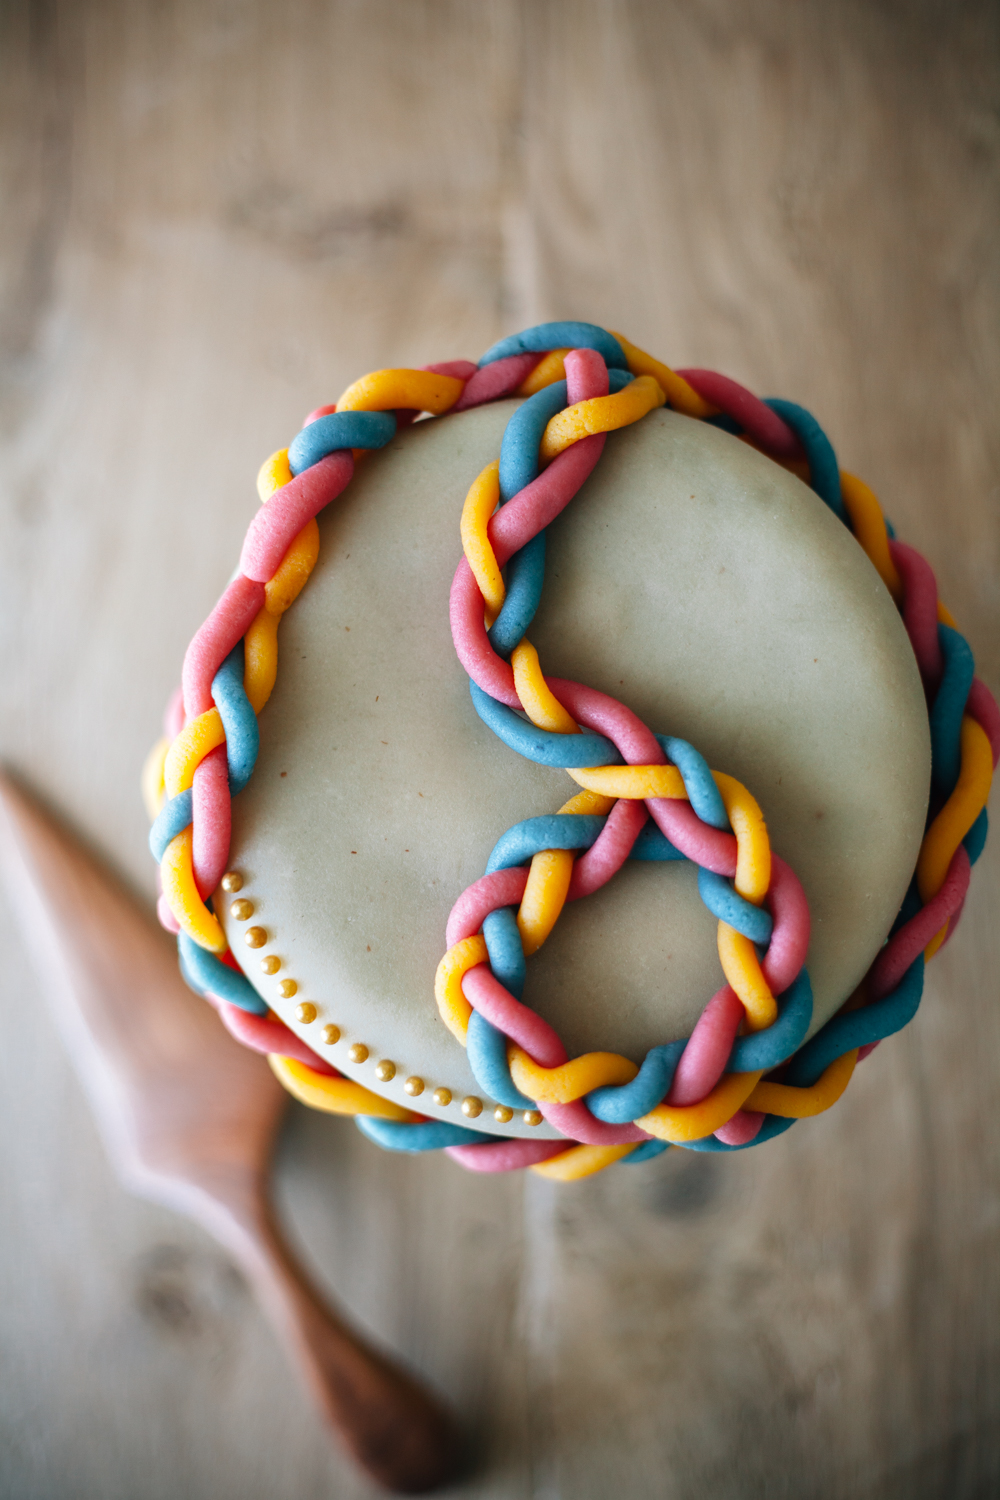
{"x": 645, "y": 795}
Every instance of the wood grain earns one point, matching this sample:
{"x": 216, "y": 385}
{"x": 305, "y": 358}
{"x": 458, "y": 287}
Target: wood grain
{"x": 218, "y": 214}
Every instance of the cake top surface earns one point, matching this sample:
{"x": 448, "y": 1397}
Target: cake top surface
{"x": 691, "y": 577}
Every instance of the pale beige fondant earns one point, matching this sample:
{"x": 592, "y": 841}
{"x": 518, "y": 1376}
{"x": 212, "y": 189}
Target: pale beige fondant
{"x": 692, "y": 578}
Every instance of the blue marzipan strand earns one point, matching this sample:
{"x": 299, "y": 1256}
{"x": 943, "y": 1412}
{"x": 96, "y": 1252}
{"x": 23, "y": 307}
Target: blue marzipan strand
{"x": 858, "y": 1028}
{"x": 543, "y": 746}
{"x": 766, "y": 1049}
{"x": 723, "y": 902}
{"x": 824, "y": 471}
{"x": 550, "y": 831}
{"x": 238, "y": 720}
{"x": 653, "y": 844}
{"x": 206, "y": 973}
{"x": 242, "y": 743}
{"x": 487, "y": 1054}
{"x": 699, "y": 783}
{"x": 525, "y": 578}
{"x": 487, "y": 1045}
{"x": 620, "y": 1104}
{"x": 565, "y": 335}
{"x": 519, "y": 460}
{"x": 172, "y": 819}
{"x": 339, "y": 430}
{"x": 948, "y": 709}
{"x": 424, "y": 1135}
{"x": 503, "y": 942}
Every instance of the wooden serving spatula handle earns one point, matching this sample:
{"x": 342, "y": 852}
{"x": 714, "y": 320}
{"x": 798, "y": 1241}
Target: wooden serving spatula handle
{"x": 189, "y": 1119}
{"x": 391, "y": 1425}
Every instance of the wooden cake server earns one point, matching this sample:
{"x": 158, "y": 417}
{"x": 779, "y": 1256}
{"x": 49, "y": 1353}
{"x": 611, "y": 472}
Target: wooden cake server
{"x": 189, "y": 1119}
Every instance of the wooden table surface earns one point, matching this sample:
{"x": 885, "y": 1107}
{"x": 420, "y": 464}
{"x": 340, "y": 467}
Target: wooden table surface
{"x": 215, "y": 215}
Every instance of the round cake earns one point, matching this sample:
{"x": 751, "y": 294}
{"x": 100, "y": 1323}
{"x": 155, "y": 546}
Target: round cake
{"x": 635, "y": 830}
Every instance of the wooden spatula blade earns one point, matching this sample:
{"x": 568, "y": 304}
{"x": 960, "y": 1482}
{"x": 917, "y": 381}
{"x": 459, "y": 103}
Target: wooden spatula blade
{"x": 174, "y": 1097}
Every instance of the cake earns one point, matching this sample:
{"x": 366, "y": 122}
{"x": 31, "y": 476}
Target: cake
{"x": 727, "y": 831}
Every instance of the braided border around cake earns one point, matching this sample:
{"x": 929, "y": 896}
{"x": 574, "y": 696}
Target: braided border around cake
{"x": 645, "y": 796}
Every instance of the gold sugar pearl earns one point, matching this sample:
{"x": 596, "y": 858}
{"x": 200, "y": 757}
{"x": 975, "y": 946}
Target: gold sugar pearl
{"x": 241, "y": 910}
{"x": 255, "y": 937}
{"x": 441, "y": 1096}
{"x": 287, "y": 988}
{"x": 232, "y": 881}
{"x": 358, "y": 1053}
{"x": 413, "y": 1087}
{"x": 471, "y": 1107}
{"x": 305, "y": 1012}
{"x": 502, "y": 1114}
{"x": 271, "y": 964}
{"x": 331, "y": 1034}
{"x": 385, "y": 1070}
{"x": 532, "y": 1117}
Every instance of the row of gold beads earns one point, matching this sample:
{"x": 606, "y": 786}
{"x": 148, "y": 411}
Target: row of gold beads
{"x": 241, "y": 910}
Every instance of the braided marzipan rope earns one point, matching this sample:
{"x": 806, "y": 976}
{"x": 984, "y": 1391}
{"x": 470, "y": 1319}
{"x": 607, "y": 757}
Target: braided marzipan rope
{"x": 515, "y": 367}
{"x": 541, "y": 1068}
